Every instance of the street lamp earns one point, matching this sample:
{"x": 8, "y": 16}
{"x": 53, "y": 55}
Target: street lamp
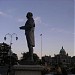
{"x": 41, "y": 46}
{"x": 11, "y": 35}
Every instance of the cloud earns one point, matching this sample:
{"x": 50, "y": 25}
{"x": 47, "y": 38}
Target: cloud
{"x": 5, "y": 14}
{"x": 11, "y": 17}
{"x": 20, "y": 20}
{"x": 50, "y": 28}
{"x": 59, "y": 30}
{"x": 2, "y": 13}
{"x": 38, "y": 20}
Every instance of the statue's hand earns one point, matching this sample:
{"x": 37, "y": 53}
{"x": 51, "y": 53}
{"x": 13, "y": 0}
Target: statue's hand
{"x": 22, "y": 27}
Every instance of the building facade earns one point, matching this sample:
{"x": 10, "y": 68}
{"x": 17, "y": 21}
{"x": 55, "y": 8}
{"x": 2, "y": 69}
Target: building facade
{"x": 61, "y": 58}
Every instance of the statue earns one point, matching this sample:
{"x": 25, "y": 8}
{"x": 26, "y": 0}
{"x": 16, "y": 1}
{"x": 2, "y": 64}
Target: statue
{"x": 29, "y": 32}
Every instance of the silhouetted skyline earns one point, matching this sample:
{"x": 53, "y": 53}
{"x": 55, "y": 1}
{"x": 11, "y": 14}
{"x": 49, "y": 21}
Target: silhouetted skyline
{"x": 54, "y": 20}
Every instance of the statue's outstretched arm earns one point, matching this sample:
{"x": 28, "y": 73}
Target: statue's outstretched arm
{"x": 22, "y": 27}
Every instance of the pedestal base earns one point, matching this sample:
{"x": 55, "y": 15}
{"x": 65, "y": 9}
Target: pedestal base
{"x": 27, "y": 62}
{"x": 28, "y": 69}
{"x": 3, "y": 70}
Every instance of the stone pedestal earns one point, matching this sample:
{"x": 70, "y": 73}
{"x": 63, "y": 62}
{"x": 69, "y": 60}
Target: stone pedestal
{"x": 3, "y": 70}
{"x": 28, "y": 69}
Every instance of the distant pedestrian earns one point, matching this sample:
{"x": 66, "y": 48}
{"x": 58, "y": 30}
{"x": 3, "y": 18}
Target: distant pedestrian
{"x": 64, "y": 72}
{"x": 73, "y": 70}
{"x": 58, "y": 70}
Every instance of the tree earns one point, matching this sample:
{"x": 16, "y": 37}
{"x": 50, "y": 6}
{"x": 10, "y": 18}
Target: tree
{"x": 25, "y": 56}
{"x": 4, "y": 57}
{"x": 4, "y": 48}
{"x": 11, "y": 60}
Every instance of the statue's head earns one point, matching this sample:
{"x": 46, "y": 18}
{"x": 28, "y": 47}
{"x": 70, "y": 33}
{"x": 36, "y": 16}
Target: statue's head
{"x": 29, "y": 15}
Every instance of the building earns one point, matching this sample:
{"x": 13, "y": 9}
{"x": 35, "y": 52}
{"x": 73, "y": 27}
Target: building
{"x": 47, "y": 59}
{"x": 73, "y": 60}
{"x": 61, "y": 58}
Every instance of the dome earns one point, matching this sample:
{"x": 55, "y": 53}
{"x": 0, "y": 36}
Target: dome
{"x": 62, "y": 51}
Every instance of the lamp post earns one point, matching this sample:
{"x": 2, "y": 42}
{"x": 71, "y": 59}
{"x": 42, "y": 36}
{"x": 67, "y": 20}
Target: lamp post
{"x": 11, "y": 35}
{"x": 41, "y": 46}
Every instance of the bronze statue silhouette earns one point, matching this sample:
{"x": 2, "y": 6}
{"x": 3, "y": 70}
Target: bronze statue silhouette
{"x": 29, "y": 32}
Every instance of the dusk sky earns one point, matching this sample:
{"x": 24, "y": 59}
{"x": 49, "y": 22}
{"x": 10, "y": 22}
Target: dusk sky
{"x": 54, "y": 20}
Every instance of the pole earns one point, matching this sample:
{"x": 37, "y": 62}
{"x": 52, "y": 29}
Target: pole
{"x": 9, "y": 68}
{"x": 41, "y": 46}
